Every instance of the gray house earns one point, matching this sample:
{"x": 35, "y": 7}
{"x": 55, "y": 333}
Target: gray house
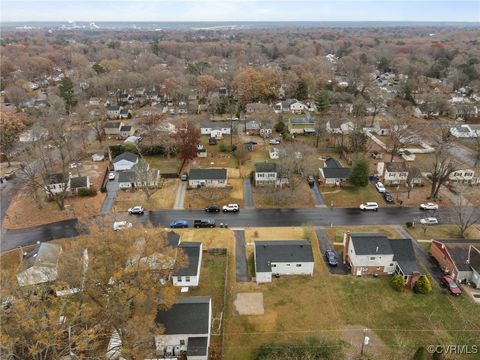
{"x": 333, "y": 173}
{"x": 268, "y": 174}
{"x": 189, "y": 275}
{"x": 207, "y": 177}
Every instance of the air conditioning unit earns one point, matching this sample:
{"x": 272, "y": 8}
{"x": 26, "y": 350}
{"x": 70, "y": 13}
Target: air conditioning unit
{"x": 169, "y": 351}
{"x": 176, "y": 350}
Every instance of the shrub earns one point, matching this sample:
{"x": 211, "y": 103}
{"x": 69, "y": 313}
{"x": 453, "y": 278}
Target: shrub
{"x": 359, "y": 174}
{"x": 280, "y": 127}
{"x": 87, "y": 192}
{"x": 222, "y": 147}
{"x": 423, "y": 286}
{"x": 397, "y": 282}
{"x": 420, "y": 354}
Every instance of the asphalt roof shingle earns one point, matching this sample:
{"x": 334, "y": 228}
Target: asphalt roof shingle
{"x": 207, "y": 174}
{"x": 79, "y": 182}
{"x": 267, "y": 252}
{"x": 192, "y": 255}
{"x": 190, "y": 315}
{"x": 126, "y": 156}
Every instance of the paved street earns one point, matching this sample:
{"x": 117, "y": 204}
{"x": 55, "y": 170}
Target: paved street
{"x": 241, "y": 261}
{"x": 245, "y": 218}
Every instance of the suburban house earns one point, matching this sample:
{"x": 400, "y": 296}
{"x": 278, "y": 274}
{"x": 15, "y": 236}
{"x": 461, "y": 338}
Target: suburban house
{"x": 186, "y": 327}
{"x": 65, "y": 183}
{"x": 124, "y": 114}
{"x": 252, "y": 128}
{"x": 415, "y": 177}
{"x": 463, "y": 176}
{"x": 257, "y": 107}
{"x": 125, "y": 161}
{"x": 265, "y": 130}
{"x": 126, "y": 131}
{"x": 216, "y": 133}
{"x": 267, "y": 174}
{"x": 459, "y": 259}
{"x": 464, "y": 131}
{"x": 298, "y": 107}
{"x": 396, "y": 173}
{"x": 40, "y": 265}
{"x": 207, "y": 177}
{"x": 333, "y": 173}
{"x": 283, "y": 106}
{"x": 113, "y": 111}
{"x": 276, "y": 153}
{"x": 304, "y": 125}
{"x": 128, "y": 179}
{"x": 339, "y": 126}
{"x": 112, "y": 128}
{"x": 285, "y": 257}
{"x": 375, "y": 254}
{"x": 189, "y": 274}
{"x": 426, "y": 111}
{"x": 79, "y": 182}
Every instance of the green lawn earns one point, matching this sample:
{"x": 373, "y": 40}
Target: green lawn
{"x": 350, "y": 196}
{"x": 442, "y": 232}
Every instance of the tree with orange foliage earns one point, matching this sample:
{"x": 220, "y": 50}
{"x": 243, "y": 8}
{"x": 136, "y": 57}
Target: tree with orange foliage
{"x": 206, "y": 84}
{"x": 251, "y": 85}
{"x": 11, "y": 126}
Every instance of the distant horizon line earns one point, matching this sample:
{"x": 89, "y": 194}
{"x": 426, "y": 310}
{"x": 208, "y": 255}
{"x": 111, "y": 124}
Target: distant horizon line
{"x": 243, "y": 21}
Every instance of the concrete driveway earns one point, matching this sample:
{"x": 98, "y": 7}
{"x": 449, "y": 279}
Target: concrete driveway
{"x": 112, "y": 189}
{"x": 180, "y": 198}
{"x": 325, "y": 244}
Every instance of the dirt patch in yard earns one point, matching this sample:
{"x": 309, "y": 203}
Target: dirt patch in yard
{"x": 24, "y": 211}
{"x": 202, "y": 197}
{"x": 354, "y": 335}
{"x": 248, "y": 304}
{"x": 271, "y": 197}
{"x": 163, "y": 198}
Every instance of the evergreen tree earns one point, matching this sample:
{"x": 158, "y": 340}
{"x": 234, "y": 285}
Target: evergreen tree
{"x": 67, "y": 93}
{"x": 301, "y": 93}
{"x": 397, "y": 282}
{"x": 322, "y": 101}
{"x": 360, "y": 171}
{"x": 423, "y": 286}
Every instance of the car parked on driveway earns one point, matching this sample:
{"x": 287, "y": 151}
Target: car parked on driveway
{"x": 121, "y": 225}
{"x": 331, "y": 258}
{"x": 369, "y": 206}
{"x": 231, "y": 208}
{"x": 136, "y": 210}
{"x": 429, "y": 221}
{"x": 111, "y": 176}
{"x": 204, "y": 223}
{"x": 274, "y": 142}
{"x": 428, "y": 206}
{"x": 184, "y": 177}
{"x": 75, "y": 165}
{"x": 380, "y": 187}
{"x": 177, "y": 224}
{"x": 212, "y": 208}
{"x": 388, "y": 197}
{"x": 212, "y": 141}
{"x": 451, "y": 285}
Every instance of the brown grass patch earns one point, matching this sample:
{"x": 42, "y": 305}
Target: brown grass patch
{"x": 163, "y": 198}
{"x": 202, "y": 197}
{"x": 269, "y": 197}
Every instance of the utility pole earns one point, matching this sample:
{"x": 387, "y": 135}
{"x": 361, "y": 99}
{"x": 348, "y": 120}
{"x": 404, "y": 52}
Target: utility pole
{"x": 365, "y": 341}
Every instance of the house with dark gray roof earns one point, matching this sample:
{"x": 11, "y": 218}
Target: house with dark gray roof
{"x": 303, "y": 125}
{"x": 79, "y": 182}
{"x": 207, "y": 177}
{"x": 126, "y": 131}
{"x": 375, "y": 254}
{"x": 66, "y": 183}
{"x": 459, "y": 259}
{"x": 270, "y": 174}
{"x": 125, "y": 161}
{"x": 333, "y": 173}
{"x": 186, "y": 327}
{"x": 282, "y": 257}
{"x": 40, "y": 265}
{"x": 188, "y": 274}
{"x": 112, "y": 128}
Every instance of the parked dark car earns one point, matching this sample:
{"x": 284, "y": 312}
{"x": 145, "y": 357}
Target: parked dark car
{"x": 331, "y": 258}
{"x": 204, "y": 223}
{"x": 388, "y": 197}
{"x": 212, "y": 208}
{"x": 212, "y": 141}
{"x": 310, "y": 180}
{"x": 450, "y": 284}
{"x": 184, "y": 177}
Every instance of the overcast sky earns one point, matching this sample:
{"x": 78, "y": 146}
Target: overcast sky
{"x": 240, "y": 10}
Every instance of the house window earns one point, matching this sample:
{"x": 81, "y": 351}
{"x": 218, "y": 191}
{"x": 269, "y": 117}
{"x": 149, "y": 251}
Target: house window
{"x": 182, "y": 342}
{"x": 391, "y": 264}
{"x": 288, "y": 264}
{"x": 179, "y": 278}
{"x": 187, "y": 278}
{"x": 274, "y": 265}
{"x": 372, "y": 258}
{"x": 298, "y": 265}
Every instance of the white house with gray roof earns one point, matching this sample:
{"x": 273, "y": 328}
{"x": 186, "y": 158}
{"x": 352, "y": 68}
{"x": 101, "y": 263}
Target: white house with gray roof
{"x": 282, "y": 257}
{"x": 207, "y": 177}
{"x": 125, "y": 161}
{"x": 189, "y": 274}
{"x": 187, "y": 325}
{"x": 269, "y": 174}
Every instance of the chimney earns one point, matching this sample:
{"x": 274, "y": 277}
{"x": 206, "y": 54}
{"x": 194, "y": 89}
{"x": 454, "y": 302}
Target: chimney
{"x": 376, "y": 249}
{"x": 347, "y": 236}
